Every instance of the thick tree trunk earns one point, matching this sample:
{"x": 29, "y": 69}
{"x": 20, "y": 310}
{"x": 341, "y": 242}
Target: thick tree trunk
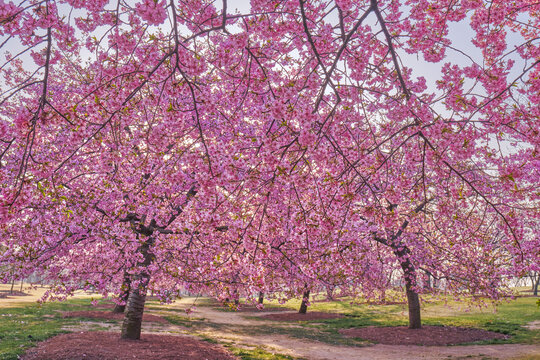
{"x": 409, "y": 273}
{"x": 12, "y": 285}
{"x": 261, "y": 297}
{"x": 303, "y": 306}
{"x": 413, "y": 300}
{"x": 535, "y": 285}
{"x": 131, "y": 327}
{"x": 126, "y": 287}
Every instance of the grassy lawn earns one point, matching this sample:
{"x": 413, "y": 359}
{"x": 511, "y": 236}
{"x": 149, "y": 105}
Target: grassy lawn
{"x": 509, "y": 317}
{"x": 25, "y": 324}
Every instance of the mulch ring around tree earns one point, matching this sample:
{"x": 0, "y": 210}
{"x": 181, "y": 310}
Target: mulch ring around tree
{"x": 427, "y": 335}
{"x": 313, "y": 315}
{"x": 101, "y": 345}
{"x": 109, "y": 315}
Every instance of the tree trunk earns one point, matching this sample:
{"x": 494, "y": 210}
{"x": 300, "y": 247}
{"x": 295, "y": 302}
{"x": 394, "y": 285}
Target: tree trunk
{"x": 126, "y": 286}
{"x": 131, "y": 327}
{"x": 330, "y": 292}
{"x": 535, "y": 285}
{"x": 413, "y": 300}
{"x": 428, "y": 280}
{"x": 22, "y": 282}
{"x": 236, "y": 297}
{"x": 119, "y": 309}
{"x": 303, "y": 306}
{"x": 409, "y": 273}
{"x": 261, "y": 297}
{"x": 12, "y": 285}
{"x": 415, "y": 321}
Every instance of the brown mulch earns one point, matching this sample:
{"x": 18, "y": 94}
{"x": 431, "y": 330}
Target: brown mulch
{"x": 101, "y": 345}
{"x": 427, "y": 335}
{"x": 109, "y": 315}
{"x": 313, "y": 315}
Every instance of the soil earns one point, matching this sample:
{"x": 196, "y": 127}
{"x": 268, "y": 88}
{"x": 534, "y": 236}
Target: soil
{"x": 109, "y": 315}
{"x": 313, "y": 315}
{"x": 427, "y": 335}
{"x": 103, "y": 345}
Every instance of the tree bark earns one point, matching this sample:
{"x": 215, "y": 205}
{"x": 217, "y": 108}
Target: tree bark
{"x": 236, "y": 296}
{"x": 413, "y": 300}
{"x": 131, "y": 327}
{"x": 428, "y": 280}
{"x": 535, "y": 285}
{"x": 409, "y": 273}
{"x": 330, "y": 292}
{"x": 303, "y": 306}
{"x": 261, "y": 297}
{"x": 126, "y": 286}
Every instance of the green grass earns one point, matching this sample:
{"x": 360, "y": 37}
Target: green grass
{"x": 510, "y": 318}
{"x": 22, "y": 327}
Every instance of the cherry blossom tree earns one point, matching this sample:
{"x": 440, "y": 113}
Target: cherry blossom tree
{"x": 185, "y": 143}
